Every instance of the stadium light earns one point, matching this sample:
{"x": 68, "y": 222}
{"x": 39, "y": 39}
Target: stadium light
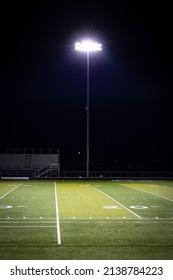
{"x": 87, "y": 46}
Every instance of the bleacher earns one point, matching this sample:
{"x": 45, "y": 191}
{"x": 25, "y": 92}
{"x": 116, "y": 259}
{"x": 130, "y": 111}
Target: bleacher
{"x": 35, "y": 164}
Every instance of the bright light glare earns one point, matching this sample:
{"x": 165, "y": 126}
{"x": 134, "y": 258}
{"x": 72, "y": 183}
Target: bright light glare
{"x": 88, "y": 46}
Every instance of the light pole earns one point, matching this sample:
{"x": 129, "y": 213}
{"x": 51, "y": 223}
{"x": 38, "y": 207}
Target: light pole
{"x": 87, "y": 46}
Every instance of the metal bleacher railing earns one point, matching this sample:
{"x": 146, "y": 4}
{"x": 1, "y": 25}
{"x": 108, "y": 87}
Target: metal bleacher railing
{"x": 29, "y": 162}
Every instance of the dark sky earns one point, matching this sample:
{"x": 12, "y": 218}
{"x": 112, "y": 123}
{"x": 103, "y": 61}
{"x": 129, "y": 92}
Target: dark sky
{"x": 43, "y": 79}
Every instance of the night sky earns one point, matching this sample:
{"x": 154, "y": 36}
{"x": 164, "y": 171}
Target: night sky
{"x": 43, "y": 80}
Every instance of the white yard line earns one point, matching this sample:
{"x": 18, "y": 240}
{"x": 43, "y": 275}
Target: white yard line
{"x": 28, "y": 218}
{"x": 27, "y": 226}
{"x": 10, "y": 191}
{"x": 147, "y": 192}
{"x": 57, "y": 217}
{"x": 117, "y": 202}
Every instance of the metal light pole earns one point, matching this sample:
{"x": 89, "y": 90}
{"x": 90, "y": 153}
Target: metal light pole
{"x": 87, "y": 46}
{"x": 88, "y": 104}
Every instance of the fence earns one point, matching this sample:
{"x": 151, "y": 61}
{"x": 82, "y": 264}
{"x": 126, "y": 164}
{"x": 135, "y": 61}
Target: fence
{"x": 117, "y": 175}
{"x": 52, "y": 172}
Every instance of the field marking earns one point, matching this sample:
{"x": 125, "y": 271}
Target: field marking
{"x": 12, "y": 222}
{"x": 22, "y": 206}
{"x": 116, "y": 202}
{"x": 86, "y": 220}
{"x": 28, "y": 218}
{"x": 57, "y": 217}
{"x": 11, "y": 191}
{"x": 5, "y": 206}
{"x": 115, "y": 219}
{"x": 27, "y": 226}
{"x": 147, "y": 192}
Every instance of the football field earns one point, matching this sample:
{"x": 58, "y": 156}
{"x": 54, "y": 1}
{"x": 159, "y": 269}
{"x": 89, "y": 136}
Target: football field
{"x": 45, "y": 219}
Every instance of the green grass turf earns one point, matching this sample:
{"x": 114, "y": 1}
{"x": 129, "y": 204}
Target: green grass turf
{"x": 98, "y": 219}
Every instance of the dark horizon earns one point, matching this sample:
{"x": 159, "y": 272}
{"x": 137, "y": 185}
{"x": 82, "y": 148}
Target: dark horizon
{"x": 43, "y": 82}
